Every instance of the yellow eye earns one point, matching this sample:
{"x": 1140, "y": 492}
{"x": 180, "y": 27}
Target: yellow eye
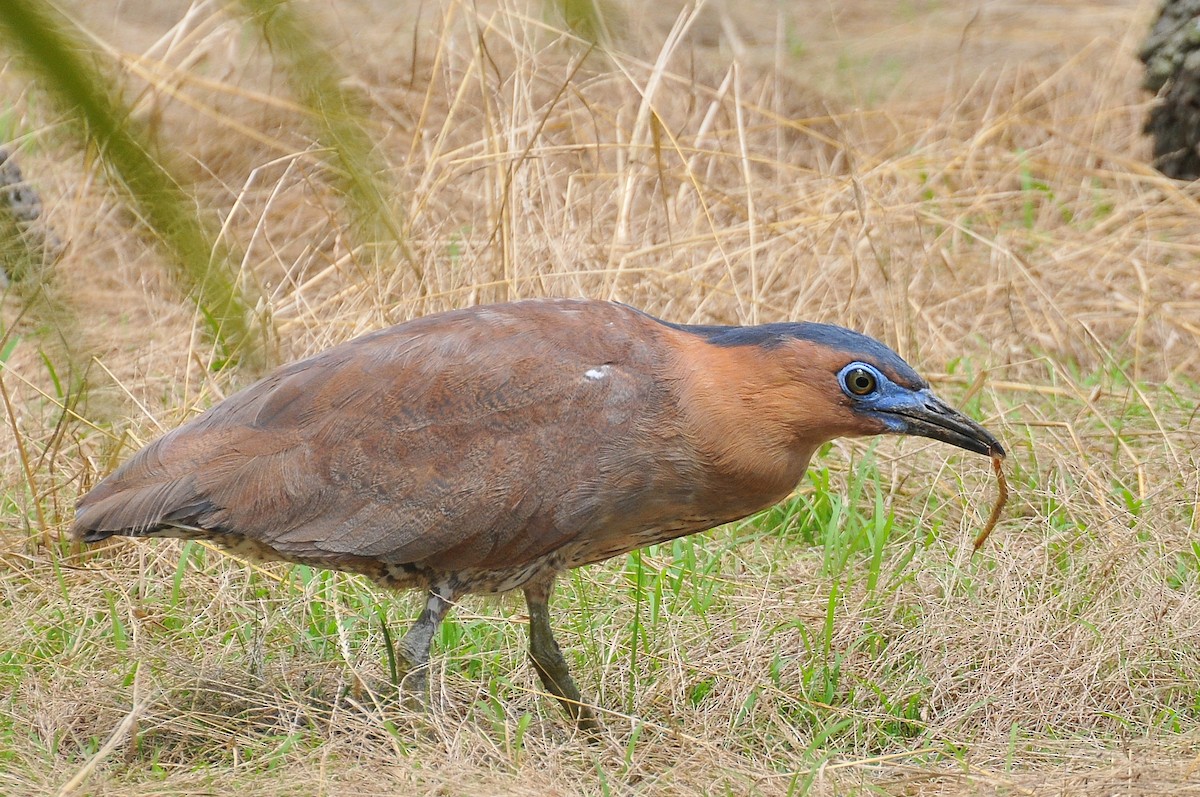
{"x": 860, "y": 381}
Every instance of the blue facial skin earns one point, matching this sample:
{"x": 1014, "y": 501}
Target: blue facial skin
{"x": 903, "y": 410}
{"x": 885, "y": 400}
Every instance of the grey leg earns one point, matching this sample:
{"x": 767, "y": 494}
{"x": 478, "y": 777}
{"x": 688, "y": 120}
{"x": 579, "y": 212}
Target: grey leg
{"x": 413, "y": 649}
{"x": 548, "y": 659}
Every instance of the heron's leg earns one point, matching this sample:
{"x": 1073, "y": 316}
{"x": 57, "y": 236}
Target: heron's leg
{"x": 413, "y": 648}
{"x": 548, "y": 659}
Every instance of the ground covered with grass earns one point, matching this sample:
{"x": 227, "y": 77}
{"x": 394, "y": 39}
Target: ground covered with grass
{"x": 968, "y": 184}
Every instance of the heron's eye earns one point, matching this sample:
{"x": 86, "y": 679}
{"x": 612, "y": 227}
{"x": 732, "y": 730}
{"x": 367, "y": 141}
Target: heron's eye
{"x": 860, "y": 381}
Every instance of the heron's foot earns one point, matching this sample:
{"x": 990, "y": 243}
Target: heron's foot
{"x": 551, "y": 667}
{"x": 413, "y": 685}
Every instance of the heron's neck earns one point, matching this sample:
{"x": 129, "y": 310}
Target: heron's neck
{"x": 744, "y": 415}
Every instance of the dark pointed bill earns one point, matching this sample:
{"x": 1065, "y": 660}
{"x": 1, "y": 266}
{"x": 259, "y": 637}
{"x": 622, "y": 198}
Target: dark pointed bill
{"x": 927, "y": 415}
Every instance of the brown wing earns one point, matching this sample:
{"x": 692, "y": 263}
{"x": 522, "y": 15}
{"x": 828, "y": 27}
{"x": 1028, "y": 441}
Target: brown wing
{"x": 476, "y": 438}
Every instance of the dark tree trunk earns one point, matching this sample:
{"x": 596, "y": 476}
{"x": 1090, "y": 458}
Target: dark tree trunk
{"x": 1172, "y": 56}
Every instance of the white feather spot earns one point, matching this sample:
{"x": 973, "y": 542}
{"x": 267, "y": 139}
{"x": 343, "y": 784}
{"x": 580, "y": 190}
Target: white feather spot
{"x": 598, "y": 373}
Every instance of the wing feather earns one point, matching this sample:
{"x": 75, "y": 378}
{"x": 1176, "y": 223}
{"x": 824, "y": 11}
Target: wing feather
{"x": 460, "y": 440}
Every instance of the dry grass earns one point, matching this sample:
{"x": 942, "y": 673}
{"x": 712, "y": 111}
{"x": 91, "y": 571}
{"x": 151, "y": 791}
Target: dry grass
{"x": 967, "y": 184}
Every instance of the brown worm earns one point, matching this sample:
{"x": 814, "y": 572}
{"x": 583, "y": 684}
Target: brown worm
{"x": 1001, "y": 499}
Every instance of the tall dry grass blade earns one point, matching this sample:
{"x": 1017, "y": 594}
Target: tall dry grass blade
{"x": 31, "y": 481}
{"x": 318, "y": 84}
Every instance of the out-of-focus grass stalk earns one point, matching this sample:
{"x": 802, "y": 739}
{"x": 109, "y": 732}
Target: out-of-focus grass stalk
{"x": 591, "y": 20}
{"x": 317, "y": 83}
{"x": 68, "y": 69}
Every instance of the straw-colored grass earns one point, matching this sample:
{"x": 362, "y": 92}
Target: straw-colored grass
{"x": 967, "y": 183}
